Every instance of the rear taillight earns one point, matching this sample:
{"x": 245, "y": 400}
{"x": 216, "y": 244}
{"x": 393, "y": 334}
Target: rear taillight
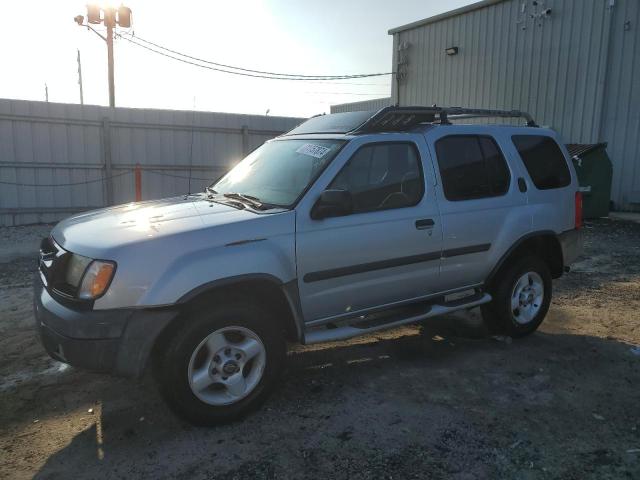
{"x": 578, "y": 210}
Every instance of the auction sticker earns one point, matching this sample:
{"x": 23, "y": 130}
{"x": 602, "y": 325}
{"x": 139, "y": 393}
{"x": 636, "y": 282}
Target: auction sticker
{"x": 317, "y": 151}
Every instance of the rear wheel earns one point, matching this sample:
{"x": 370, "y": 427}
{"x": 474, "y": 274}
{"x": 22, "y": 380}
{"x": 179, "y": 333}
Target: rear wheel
{"x": 521, "y": 298}
{"x": 222, "y": 363}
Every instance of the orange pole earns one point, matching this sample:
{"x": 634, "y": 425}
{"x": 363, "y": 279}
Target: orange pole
{"x": 138, "y": 183}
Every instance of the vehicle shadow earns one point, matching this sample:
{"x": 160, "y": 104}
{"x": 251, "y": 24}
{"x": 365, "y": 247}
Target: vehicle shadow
{"x": 437, "y": 397}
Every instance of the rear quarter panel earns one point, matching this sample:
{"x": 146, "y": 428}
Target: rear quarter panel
{"x": 551, "y": 209}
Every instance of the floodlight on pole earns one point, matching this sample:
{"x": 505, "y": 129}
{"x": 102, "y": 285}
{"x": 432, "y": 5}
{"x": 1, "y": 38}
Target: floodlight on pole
{"x": 110, "y": 17}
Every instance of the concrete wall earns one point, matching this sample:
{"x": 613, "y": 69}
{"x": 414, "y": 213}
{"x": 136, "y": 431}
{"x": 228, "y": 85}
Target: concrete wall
{"x": 576, "y": 70}
{"x": 89, "y": 152}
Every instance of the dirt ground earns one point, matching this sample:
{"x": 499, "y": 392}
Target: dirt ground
{"x": 443, "y": 400}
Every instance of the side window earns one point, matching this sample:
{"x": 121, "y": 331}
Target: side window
{"x": 471, "y": 166}
{"x": 382, "y": 176}
{"x": 544, "y": 161}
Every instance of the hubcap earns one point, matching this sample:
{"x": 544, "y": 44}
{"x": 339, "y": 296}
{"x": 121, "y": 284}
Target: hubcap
{"x": 527, "y": 297}
{"x": 227, "y": 365}
{"x": 230, "y": 368}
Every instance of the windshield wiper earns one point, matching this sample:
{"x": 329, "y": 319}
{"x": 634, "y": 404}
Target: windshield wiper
{"x": 249, "y": 199}
{"x": 226, "y": 201}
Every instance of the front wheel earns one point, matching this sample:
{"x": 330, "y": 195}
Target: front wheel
{"x": 521, "y": 298}
{"x": 222, "y": 363}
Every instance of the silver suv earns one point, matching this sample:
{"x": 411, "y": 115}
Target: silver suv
{"x": 347, "y": 224}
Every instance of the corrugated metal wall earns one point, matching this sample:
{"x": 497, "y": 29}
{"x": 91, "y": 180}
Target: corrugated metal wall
{"x": 59, "y": 144}
{"x": 576, "y": 71}
{"x": 621, "y": 113}
{"x": 363, "y": 106}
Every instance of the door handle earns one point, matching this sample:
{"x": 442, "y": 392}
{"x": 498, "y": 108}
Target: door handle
{"x": 522, "y": 185}
{"x": 424, "y": 223}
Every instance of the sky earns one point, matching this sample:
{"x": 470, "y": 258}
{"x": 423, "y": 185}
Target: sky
{"x": 330, "y": 37}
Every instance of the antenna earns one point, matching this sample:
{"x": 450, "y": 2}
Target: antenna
{"x": 80, "y": 78}
{"x": 193, "y": 119}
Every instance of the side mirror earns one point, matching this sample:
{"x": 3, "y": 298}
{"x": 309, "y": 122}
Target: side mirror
{"x": 332, "y": 203}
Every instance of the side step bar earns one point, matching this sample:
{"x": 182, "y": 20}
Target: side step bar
{"x": 323, "y": 334}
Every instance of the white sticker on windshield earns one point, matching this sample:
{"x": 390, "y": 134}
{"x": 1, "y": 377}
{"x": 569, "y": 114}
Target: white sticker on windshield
{"x": 312, "y": 150}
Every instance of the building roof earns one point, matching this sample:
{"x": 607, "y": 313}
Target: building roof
{"x": 334, "y": 123}
{"x": 445, "y": 15}
{"x": 372, "y": 104}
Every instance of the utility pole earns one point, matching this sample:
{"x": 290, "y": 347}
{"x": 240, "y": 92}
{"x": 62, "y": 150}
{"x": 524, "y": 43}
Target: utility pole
{"x": 110, "y": 22}
{"x": 110, "y": 17}
{"x": 80, "y": 78}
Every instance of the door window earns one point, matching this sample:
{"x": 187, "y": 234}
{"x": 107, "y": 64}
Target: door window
{"x": 471, "y": 166}
{"x": 382, "y": 176}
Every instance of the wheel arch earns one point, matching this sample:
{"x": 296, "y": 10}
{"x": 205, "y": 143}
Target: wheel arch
{"x": 265, "y": 289}
{"x": 544, "y": 244}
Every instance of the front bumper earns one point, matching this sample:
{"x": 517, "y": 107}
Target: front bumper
{"x": 118, "y": 341}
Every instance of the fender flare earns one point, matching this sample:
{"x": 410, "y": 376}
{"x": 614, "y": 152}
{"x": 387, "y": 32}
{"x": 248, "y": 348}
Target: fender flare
{"x": 496, "y": 268}
{"x": 289, "y": 290}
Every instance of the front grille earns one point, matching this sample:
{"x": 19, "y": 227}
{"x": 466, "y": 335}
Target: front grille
{"x": 48, "y": 251}
{"x": 53, "y": 268}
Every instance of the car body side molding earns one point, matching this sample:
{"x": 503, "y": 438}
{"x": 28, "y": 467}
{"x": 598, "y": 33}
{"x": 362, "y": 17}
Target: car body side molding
{"x": 392, "y": 262}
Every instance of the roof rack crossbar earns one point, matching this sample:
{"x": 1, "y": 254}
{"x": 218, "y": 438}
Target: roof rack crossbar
{"x": 404, "y": 118}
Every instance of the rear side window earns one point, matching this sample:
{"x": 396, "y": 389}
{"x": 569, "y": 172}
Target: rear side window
{"x": 544, "y": 161}
{"x": 382, "y": 176}
{"x": 471, "y": 166}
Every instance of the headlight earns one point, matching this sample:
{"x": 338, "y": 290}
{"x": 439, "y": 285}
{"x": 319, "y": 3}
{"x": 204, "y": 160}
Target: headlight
{"x": 96, "y": 279}
{"x": 75, "y": 269}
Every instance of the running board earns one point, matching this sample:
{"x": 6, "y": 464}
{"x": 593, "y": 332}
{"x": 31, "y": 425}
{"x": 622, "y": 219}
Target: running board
{"x": 323, "y": 334}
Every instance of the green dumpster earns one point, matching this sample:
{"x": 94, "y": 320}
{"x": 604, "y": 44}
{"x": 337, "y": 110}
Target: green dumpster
{"x": 594, "y": 171}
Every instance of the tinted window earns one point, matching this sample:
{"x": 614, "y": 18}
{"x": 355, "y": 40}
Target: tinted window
{"x": 544, "y": 161}
{"x": 382, "y": 176}
{"x": 471, "y": 166}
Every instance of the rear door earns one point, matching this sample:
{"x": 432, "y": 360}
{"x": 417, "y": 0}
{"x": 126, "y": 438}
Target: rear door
{"x": 388, "y": 249}
{"x": 483, "y": 210}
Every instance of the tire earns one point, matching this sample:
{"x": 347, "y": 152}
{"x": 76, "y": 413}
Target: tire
{"x": 527, "y": 279}
{"x": 221, "y": 363}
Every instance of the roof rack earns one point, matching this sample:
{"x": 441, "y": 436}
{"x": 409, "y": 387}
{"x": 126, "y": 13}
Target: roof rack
{"x": 404, "y": 118}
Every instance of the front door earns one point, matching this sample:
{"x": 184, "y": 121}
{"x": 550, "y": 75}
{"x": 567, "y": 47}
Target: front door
{"x": 388, "y": 250}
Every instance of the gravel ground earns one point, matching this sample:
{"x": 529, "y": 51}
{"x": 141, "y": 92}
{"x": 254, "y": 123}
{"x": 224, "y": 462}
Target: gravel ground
{"x": 16, "y": 242}
{"x": 441, "y": 400}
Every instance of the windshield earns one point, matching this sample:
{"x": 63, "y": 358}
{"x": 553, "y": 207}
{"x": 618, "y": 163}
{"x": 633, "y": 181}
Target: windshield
{"x": 279, "y": 171}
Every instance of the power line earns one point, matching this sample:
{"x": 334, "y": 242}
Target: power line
{"x": 241, "y": 71}
{"x": 222, "y": 65}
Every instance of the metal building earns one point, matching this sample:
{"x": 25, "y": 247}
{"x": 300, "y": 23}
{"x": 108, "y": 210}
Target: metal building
{"x": 573, "y": 64}
{"x": 363, "y": 106}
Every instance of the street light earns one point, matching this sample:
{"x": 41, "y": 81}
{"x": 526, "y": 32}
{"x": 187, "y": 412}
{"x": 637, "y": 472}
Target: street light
{"x": 111, "y": 17}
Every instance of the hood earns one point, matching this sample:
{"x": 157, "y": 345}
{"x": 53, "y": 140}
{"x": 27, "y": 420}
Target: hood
{"x": 96, "y": 232}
